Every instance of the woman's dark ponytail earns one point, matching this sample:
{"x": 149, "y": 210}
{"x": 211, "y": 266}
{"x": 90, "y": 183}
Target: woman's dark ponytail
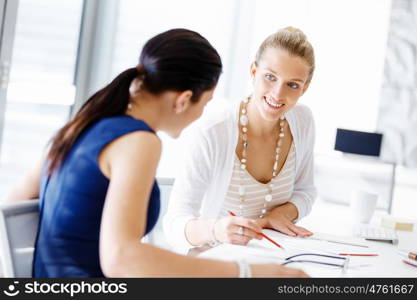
{"x": 100, "y": 105}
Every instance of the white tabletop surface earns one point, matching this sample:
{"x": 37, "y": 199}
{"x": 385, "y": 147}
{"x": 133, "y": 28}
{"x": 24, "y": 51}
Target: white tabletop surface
{"x": 335, "y": 220}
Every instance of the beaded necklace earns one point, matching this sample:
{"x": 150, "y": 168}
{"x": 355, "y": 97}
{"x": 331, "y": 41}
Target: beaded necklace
{"x": 244, "y": 121}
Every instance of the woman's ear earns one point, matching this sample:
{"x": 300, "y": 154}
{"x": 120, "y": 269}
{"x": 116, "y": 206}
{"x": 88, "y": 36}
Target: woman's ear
{"x": 182, "y": 101}
{"x": 253, "y": 68}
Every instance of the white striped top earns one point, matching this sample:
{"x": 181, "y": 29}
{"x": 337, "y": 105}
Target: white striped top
{"x": 255, "y": 191}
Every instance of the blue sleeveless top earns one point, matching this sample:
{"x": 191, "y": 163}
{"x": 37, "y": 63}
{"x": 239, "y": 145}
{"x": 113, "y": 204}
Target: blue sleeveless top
{"x": 72, "y": 200}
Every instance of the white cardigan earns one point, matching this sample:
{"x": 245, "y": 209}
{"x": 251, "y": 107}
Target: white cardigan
{"x": 201, "y": 185}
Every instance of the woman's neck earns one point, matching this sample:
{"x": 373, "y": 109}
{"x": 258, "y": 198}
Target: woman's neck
{"x": 259, "y": 127}
{"x": 146, "y": 109}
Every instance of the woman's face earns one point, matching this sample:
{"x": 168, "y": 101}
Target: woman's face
{"x": 279, "y": 79}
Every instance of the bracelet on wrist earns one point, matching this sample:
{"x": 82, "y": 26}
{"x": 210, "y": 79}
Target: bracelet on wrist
{"x": 214, "y": 241}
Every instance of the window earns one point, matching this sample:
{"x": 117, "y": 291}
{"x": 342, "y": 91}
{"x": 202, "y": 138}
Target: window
{"x": 41, "y": 89}
{"x": 140, "y": 20}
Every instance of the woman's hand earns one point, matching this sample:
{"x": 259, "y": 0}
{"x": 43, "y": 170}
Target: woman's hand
{"x": 280, "y": 219}
{"x": 236, "y": 230}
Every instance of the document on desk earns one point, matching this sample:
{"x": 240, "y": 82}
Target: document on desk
{"x": 262, "y": 251}
{"x": 255, "y": 252}
{"x": 321, "y": 242}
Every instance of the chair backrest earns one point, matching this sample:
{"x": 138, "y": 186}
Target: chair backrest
{"x": 156, "y": 236}
{"x": 18, "y": 228}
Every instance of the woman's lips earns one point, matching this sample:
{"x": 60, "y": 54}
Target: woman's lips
{"x": 272, "y": 104}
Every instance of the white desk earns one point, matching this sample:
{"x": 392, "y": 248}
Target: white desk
{"x": 336, "y": 220}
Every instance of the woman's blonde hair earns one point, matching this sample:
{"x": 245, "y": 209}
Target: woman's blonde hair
{"x": 292, "y": 40}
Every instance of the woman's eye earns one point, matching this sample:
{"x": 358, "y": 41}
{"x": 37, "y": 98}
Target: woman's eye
{"x": 270, "y": 77}
{"x": 293, "y": 85}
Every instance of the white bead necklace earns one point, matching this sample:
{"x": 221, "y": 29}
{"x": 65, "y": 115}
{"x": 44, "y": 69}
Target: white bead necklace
{"x": 244, "y": 121}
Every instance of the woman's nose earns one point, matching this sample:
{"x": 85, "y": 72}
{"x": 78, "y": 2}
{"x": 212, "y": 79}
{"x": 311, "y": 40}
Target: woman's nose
{"x": 278, "y": 91}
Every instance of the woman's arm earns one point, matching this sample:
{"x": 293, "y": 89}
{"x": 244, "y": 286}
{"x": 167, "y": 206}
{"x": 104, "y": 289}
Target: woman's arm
{"x": 130, "y": 162}
{"x": 187, "y": 194}
{"x": 305, "y": 192}
{"x": 28, "y": 187}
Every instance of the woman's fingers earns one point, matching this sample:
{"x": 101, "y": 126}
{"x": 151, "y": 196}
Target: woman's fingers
{"x": 300, "y": 231}
{"x": 245, "y": 231}
{"x": 248, "y": 223}
{"x": 240, "y": 239}
{"x": 286, "y": 229}
{"x": 242, "y": 230}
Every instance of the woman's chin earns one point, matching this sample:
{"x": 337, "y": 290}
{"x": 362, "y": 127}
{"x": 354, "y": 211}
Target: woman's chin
{"x": 271, "y": 114}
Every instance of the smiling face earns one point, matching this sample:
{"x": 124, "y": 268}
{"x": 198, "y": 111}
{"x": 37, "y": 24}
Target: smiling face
{"x": 279, "y": 80}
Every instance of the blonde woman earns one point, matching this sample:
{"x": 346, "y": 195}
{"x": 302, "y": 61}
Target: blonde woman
{"x": 255, "y": 160}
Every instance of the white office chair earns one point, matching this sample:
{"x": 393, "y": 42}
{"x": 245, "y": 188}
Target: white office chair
{"x": 18, "y": 228}
{"x": 156, "y": 236}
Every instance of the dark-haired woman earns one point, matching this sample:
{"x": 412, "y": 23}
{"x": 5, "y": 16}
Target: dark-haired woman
{"x": 97, "y": 188}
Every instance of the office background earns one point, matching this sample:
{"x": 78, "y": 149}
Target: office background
{"x": 54, "y": 54}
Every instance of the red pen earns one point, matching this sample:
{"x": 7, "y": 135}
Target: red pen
{"x": 409, "y": 262}
{"x": 263, "y": 235}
